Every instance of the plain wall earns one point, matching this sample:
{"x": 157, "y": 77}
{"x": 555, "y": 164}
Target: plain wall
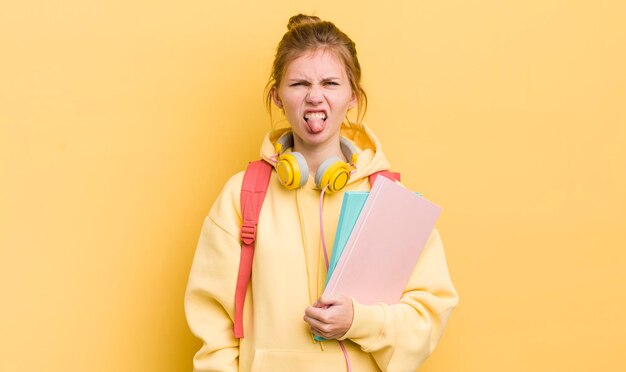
{"x": 120, "y": 122}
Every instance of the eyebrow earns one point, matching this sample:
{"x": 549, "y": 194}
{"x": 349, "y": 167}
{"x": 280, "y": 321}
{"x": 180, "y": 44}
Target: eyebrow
{"x": 306, "y": 80}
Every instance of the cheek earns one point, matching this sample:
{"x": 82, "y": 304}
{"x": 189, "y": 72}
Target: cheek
{"x": 291, "y": 110}
{"x": 290, "y": 107}
{"x": 292, "y": 103}
{"x": 345, "y": 102}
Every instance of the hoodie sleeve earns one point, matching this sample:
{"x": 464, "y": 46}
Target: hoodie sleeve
{"x": 209, "y": 299}
{"x": 401, "y": 336}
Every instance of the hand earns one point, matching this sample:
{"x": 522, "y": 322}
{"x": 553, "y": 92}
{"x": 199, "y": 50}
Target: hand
{"x": 330, "y": 317}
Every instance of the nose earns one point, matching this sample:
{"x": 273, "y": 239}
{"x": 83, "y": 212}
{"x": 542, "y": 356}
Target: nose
{"x": 314, "y": 95}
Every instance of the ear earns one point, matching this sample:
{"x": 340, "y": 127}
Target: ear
{"x": 276, "y": 98}
{"x": 353, "y": 101}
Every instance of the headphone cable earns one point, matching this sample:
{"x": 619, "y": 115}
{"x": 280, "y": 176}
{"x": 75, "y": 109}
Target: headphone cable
{"x": 341, "y": 345}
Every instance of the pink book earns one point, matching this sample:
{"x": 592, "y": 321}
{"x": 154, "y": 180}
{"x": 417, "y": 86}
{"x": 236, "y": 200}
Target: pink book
{"x": 384, "y": 246}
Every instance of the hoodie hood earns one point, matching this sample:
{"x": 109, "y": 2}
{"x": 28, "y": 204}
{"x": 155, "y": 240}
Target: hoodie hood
{"x": 371, "y": 158}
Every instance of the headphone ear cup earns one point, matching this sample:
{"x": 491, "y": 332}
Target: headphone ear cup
{"x": 333, "y": 172}
{"x": 292, "y": 170}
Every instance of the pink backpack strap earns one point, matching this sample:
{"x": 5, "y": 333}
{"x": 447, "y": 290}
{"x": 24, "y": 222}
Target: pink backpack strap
{"x": 394, "y": 176}
{"x": 255, "y": 184}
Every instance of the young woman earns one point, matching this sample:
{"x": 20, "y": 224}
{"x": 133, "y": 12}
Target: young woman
{"x": 315, "y": 81}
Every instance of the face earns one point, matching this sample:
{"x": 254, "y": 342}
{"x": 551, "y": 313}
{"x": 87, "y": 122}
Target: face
{"x": 315, "y": 95}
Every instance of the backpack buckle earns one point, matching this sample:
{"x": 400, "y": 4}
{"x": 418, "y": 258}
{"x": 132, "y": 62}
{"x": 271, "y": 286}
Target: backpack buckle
{"x": 248, "y": 233}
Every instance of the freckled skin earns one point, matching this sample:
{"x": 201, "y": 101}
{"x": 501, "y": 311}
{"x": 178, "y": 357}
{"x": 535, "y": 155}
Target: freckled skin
{"x": 315, "y": 82}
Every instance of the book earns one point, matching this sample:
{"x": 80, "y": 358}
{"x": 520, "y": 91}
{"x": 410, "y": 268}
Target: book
{"x": 384, "y": 245}
{"x": 351, "y": 206}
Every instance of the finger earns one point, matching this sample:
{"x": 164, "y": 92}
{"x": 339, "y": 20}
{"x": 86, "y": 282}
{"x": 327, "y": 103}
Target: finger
{"x": 326, "y": 330}
{"x": 319, "y": 330}
{"x": 314, "y": 312}
{"x": 322, "y": 304}
{"x": 314, "y": 323}
{"x": 328, "y": 300}
{"x": 329, "y": 335}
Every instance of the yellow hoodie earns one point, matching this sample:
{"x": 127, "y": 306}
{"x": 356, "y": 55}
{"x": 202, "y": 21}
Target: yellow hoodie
{"x": 288, "y": 275}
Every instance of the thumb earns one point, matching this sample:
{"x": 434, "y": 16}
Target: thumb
{"x": 326, "y": 301}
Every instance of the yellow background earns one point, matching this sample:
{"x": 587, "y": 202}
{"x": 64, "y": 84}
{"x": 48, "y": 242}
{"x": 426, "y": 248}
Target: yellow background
{"x": 120, "y": 122}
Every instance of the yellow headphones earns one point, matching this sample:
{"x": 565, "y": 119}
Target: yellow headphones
{"x": 293, "y": 171}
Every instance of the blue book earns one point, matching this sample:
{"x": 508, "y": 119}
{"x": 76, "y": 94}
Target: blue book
{"x": 353, "y": 202}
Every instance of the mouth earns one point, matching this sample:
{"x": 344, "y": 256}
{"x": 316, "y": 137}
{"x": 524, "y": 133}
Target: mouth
{"x": 319, "y": 115}
{"x": 315, "y": 121}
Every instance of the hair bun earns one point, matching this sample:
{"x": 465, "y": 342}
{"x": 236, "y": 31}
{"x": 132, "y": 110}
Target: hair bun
{"x": 301, "y": 19}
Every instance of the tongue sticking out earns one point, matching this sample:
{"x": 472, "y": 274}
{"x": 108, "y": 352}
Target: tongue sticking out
{"x": 316, "y": 121}
{"x": 316, "y": 125}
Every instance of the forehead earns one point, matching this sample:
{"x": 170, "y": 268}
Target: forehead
{"x": 319, "y": 63}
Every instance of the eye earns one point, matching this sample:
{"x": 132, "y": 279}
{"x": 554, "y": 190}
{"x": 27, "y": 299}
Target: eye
{"x": 299, "y": 83}
{"x": 332, "y": 83}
